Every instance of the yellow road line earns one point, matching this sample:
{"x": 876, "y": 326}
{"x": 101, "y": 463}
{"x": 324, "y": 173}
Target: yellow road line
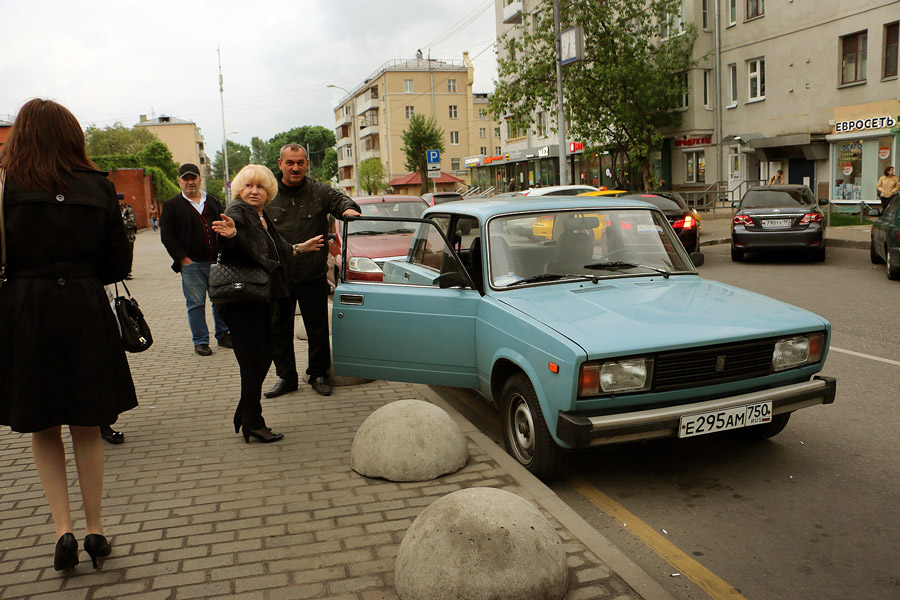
{"x": 687, "y": 566}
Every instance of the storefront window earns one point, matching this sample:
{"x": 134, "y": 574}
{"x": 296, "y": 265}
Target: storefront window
{"x": 695, "y": 167}
{"x": 857, "y": 166}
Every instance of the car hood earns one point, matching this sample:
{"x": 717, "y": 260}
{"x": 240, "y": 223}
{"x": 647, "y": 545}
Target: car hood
{"x": 379, "y": 246}
{"x": 640, "y": 315}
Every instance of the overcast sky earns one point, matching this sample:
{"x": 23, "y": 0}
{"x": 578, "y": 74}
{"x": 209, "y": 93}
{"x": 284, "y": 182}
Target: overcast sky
{"x": 111, "y": 61}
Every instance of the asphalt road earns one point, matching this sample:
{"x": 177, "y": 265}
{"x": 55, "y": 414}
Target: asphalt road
{"x": 809, "y": 514}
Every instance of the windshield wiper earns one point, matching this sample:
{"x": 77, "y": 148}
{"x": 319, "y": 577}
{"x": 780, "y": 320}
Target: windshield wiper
{"x": 546, "y": 277}
{"x": 406, "y": 230}
{"x": 615, "y": 265}
{"x": 366, "y": 232}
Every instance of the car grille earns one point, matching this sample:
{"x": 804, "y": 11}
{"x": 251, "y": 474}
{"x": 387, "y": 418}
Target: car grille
{"x": 713, "y": 364}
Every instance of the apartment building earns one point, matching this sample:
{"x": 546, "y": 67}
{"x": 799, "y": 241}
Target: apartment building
{"x": 810, "y": 88}
{"x": 183, "y": 139}
{"x": 371, "y": 118}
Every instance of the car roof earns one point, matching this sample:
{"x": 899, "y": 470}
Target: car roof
{"x": 386, "y": 198}
{"x": 556, "y": 188}
{"x": 443, "y": 194}
{"x": 780, "y": 188}
{"x": 485, "y": 208}
{"x": 605, "y": 193}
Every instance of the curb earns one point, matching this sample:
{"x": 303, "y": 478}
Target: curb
{"x": 639, "y": 580}
{"x": 837, "y": 243}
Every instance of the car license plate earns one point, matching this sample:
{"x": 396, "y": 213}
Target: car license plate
{"x": 767, "y": 223}
{"x": 722, "y": 420}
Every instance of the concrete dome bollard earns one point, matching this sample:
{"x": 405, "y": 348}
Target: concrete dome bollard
{"x": 481, "y": 543}
{"x": 408, "y": 440}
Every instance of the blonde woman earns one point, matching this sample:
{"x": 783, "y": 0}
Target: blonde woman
{"x": 248, "y": 237}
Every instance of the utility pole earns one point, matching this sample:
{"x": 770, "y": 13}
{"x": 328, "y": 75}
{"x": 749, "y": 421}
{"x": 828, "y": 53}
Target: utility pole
{"x": 224, "y": 134}
{"x": 560, "y": 109}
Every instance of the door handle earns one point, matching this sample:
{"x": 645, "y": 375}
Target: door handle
{"x": 351, "y": 299}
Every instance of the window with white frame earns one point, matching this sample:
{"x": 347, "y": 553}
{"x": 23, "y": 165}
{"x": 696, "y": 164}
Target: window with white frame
{"x": 891, "y": 35}
{"x": 736, "y": 163}
{"x": 408, "y": 86}
{"x": 732, "y": 84}
{"x": 482, "y": 113}
{"x": 673, "y": 25}
{"x": 685, "y": 90}
{"x": 704, "y": 9}
{"x": 695, "y": 166}
{"x": 347, "y": 110}
{"x": 410, "y": 111}
{"x": 497, "y": 151}
{"x": 451, "y": 86}
{"x": 756, "y": 79}
{"x": 853, "y": 57}
{"x": 454, "y": 137}
{"x": 755, "y": 8}
{"x": 454, "y": 164}
{"x": 482, "y": 132}
{"x": 454, "y": 111}
{"x": 348, "y": 151}
{"x": 706, "y": 90}
{"x": 732, "y": 12}
{"x": 483, "y": 150}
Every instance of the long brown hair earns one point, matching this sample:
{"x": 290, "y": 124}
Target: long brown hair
{"x": 45, "y": 143}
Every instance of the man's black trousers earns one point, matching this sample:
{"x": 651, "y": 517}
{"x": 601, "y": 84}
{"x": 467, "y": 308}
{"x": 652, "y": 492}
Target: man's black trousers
{"x": 312, "y": 298}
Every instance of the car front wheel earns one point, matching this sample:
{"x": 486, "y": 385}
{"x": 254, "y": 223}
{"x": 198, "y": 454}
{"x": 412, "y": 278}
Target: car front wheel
{"x": 525, "y": 432}
{"x": 893, "y": 270}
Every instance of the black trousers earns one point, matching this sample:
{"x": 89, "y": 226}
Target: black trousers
{"x": 312, "y": 297}
{"x": 250, "y": 324}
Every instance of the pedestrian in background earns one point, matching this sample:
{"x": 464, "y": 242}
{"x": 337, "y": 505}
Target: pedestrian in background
{"x": 250, "y": 239}
{"x": 130, "y": 223}
{"x": 777, "y": 178}
{"x": 154, "y": 216}
{"x": 887, "y": 186}
{"x": 187, "y": 234}
{"x": 300, "y": 211}
{"x": 61, "y": 356}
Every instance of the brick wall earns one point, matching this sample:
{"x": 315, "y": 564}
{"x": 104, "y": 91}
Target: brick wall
{"x": 138, "y": 191}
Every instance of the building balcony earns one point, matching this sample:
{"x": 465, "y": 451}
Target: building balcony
{"x": 512, "y": 12}
{"x": 366, "y": 154}
{"x": 342, "y": 119}
{"x": 344, "y": 141}
{"x": 345, "y": 161}
{"x": 366, "y": 102}
{"x": 347, "y": 183}
{"x": 367, "y": 130}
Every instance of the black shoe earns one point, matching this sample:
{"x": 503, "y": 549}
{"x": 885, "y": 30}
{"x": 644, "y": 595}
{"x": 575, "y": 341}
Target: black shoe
{"x": 281, "y": 387}
{"x": 203, "y": 350}
{"x": 111, "y": 435}
{"x": 264, "y": 435}
{"x": 225, "y": 341}
{"x": 129, "y": 277}
{"x": 321, "y": 385}
{"x": 66, "y": 555}
{"x": 97, "y": 547}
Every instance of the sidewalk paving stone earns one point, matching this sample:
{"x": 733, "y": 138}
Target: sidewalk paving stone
{"x": 194, "y": 512}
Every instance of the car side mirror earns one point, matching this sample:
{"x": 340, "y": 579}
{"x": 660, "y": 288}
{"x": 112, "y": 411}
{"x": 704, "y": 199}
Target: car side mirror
{"x": 735, "y": 203}
{"x": 823, "y": 201}
{"x": 452, "y": 279}
{"x": 873, "y": 212}
{"x": 697, "y": 258}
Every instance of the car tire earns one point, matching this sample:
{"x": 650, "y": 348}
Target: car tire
{"x": 525, "y": 432}
{"x": 873, "y": 254}
{"x": 758, "y": 433}
{"x": 892, "y": 270}
{"x": 818, "y": 254}
{"x": 737, "y": 255}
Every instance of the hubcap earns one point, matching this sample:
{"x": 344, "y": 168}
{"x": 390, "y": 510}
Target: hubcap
{"x": 521, "y": 428}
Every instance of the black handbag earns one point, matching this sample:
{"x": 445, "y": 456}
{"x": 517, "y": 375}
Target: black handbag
{"x": 136, "y": 335}
{"x": 237, "y": 283}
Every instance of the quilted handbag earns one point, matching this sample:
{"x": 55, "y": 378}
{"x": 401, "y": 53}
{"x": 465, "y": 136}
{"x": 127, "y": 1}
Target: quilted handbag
{"x": 136, "y": 335}
{"x": 237, "y": 283}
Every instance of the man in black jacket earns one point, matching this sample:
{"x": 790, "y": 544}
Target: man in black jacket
{"x": 186, "y": 232}
{"x": 301, "y": 210}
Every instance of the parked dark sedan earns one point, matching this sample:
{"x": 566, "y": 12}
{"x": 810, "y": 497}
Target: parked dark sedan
{"x": 772, "y": 217}
{"x": 885, "y": 244}
{"x": 683, "y": 220}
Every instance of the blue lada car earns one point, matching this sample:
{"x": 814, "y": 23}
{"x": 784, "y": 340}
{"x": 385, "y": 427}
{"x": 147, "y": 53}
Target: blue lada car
{"x": 579, "y": 338}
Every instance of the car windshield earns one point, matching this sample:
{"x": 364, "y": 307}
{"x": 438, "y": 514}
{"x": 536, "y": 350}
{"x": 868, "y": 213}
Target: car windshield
{"x": 386, "y": 209}
{"x": 777, "y": 198}
{"x": 565, "y": 245}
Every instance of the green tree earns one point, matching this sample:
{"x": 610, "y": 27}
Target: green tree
{"x": 421, "y": 135}
{"x": 157, "y": 154}
{"x": 238, "y": 158}
{"x": 625, "y": 89}
{"x": 259, "y": 151}
{"x": 372, "y": 176}
{"x": 317, "y": 139}
{"x": 329, "y": 166}
{"x": 116, "y": 139}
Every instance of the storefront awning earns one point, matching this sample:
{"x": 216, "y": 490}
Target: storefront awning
{"x": 811, "y": 146}
{"x": 742, "y": 138}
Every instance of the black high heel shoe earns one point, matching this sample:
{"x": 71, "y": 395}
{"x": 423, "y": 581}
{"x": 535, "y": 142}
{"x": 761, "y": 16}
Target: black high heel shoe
{"x": 66, "y": 555}
{"x": 98, "y": 547}
{"x": 264, "y": 435}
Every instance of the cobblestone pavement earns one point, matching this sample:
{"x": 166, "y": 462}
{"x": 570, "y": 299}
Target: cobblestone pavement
{"x": 193, "y": 512}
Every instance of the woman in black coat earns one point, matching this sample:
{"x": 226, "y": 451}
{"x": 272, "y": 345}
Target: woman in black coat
{"x": 249, "y": 238}
{"x": 61, "y": 356}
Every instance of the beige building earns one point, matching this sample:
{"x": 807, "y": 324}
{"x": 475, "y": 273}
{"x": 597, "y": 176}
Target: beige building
{"x": 371, "y": 118}
{"x": 183, "y": 139}
{"x": 810, "y": 88}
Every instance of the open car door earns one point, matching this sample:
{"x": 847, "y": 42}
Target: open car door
{"x": 418, "y": 323}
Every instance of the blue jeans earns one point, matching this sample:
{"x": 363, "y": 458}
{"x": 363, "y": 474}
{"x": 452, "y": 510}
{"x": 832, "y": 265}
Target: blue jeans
{"x": 195, "y": 285}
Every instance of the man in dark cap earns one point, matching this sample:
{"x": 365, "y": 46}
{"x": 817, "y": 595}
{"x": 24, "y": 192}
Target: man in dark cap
{"x": 186, "y": 232}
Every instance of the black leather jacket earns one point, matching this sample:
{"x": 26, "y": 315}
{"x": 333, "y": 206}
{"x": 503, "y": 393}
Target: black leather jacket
{"x": 302, "y": 213}
{"x": 251, "y": 245}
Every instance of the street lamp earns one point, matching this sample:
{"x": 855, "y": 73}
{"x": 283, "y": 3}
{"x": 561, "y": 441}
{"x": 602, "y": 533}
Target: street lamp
{"x": 353, "y": 128}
